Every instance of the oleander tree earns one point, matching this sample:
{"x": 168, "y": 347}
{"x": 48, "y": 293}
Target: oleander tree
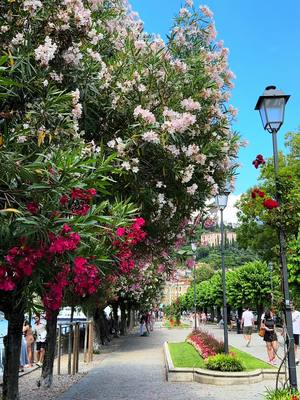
{"x": 162, "y": 106}
{"x": 55, "y": 236}
{"x": 149, "y": 123}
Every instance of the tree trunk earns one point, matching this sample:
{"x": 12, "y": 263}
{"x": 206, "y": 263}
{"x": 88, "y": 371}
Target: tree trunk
{"x": 219, "y": 315}
{"x": 97, "y": 330}
{"x": 212, "y": 313}
{"x": 116, "y": 320}
{"x": 14, "y": 313}
{"x": 123, "y": 329}
{"x": 47, "y": 370}
{"x": 129, "y": 317}
{"x": 260, "y": 310}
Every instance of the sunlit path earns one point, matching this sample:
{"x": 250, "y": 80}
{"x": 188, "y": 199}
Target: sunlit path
{"x": 135, "y": 370}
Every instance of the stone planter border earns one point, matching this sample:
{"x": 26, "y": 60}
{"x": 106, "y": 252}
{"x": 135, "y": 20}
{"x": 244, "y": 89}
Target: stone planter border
{"x": 215, "y": 377}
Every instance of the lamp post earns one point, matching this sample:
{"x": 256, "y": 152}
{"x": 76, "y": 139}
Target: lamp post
{"x": 271, "y": 106}
{"x": 221, "y": 202}
{"x": 194, "y": 248}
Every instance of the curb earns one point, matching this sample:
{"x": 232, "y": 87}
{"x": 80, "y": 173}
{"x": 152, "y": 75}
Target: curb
{"x": 217, "y": 378}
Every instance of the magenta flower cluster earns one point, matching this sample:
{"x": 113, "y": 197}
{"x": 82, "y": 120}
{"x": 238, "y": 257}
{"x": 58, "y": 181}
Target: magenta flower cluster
{"x": 205, "y": 343}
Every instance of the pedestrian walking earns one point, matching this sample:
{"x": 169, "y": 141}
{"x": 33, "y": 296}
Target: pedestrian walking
{"x": 147, "y": 319}
{"x": 142, "y": 325}
{"x": 247, "y": 325}
{"x": 203, "y": 318}
{"x": 296, "y": 331}
{"x": 41, "y": 334}
{"x": 270, "y": 337}
{"x": 23, "y": 355}
{"x": 28, "y": 334}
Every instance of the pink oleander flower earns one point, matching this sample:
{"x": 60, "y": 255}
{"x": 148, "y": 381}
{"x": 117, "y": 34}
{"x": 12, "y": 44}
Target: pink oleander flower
{"x": 146, "y": 115}
{"x": 190, "y": 262}
{"x": 151, "y": 137}
{"x": 32, "y": 5}
{"x": 206, "y": 11}
{"x": 190, "y": 105}
{"x": 45, "y": 53}
{"x": 140, "y": 44}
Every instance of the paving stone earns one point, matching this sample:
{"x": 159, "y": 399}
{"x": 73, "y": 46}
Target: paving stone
{"x": 135, "y": 371}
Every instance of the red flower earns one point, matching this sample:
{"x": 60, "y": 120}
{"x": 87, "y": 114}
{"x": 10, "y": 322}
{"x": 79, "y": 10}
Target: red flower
{"x": 86, "y": 280}
{"x": 66, "y": 229}
{"x": 64, "y": 200}
{"x": 131, "y": 236}
{"x": 32, "y": 207}
{"x": 257, "y": 192}
{"x": 270, "y": 204}
{"x": 258, "y": 161}
{"x": 120, "y": 231}
{"x": 92, "y": 192}
{"x": 81, "y": 210}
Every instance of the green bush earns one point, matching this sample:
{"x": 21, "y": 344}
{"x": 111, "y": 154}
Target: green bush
{"x": 224, "y": 362}
{"x": 282, "y": 394}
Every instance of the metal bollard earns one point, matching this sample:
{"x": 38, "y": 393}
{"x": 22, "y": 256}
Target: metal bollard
{"x": 59, "y": 350}
{"x": 85, "y": 342}
{"x": 70, "y": 349}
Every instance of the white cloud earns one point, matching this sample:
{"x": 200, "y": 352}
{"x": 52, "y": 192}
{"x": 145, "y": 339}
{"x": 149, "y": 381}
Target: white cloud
{"x": 230, "y": 212}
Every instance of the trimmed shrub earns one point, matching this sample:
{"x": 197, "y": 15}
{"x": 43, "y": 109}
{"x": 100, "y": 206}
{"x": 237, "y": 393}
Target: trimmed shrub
{"x": 282, "y": 394}
{"x": 224, "y": 362}
{"x": 205, "y": 343}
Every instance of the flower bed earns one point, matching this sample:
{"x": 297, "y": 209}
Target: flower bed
{"x": 205, "y": 343}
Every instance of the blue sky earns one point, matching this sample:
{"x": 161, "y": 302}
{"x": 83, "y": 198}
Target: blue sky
{"x": 264, "y": 41}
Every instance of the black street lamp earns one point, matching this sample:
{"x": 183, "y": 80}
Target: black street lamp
{"x": 221, "y": 202}
{"x": 194, "y": 248}
{"x": 271, "y": 106}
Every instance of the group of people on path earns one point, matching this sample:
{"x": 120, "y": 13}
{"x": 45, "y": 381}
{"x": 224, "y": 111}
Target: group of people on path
{"x": 33, "y": 337}
{"x": 268, "y": 331}
{"x": 201, "y": 318}
{"x": 147, "y": 320}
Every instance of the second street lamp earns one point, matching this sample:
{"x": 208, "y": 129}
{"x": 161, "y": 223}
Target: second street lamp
{"x": 194, "y": 248}
{"x": 271, "y": 106}
{"x": 221, "y": 202}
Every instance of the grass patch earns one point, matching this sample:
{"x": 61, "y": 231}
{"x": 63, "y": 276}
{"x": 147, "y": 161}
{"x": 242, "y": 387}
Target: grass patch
{"x": 169, "y": 326}
{"x": 184, "y": 355}
{"x": 250, "y": 363}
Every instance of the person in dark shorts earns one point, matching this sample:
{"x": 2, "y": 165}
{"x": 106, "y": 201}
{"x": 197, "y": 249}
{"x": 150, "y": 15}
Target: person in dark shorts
{"x": 270, "y": 336}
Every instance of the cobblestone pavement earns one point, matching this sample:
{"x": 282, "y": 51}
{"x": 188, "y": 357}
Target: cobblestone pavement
{"x": 135, "y": 370}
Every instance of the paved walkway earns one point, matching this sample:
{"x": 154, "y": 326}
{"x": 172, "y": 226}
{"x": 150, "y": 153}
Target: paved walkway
{"x": 134, "y": 370}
